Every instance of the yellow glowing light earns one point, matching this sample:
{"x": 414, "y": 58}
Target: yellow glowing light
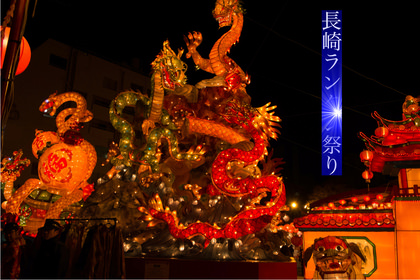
{"x": 294, "y": 205}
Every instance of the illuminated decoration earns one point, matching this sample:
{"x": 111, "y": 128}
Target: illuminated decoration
{"x": 43, "y": 140}
{"x": 396, "y": 150}
{"x": 70, "y": 118}
{"x": 331, "y": 93}
{"x": 367, "y": 175}
{"x": 399, "y": 142}
{"x": 228, "y": 74}
{"x": 194, "y": 163}
{"x": 381, "y": 220}
{"x": 24, "y": 55}
{"x": 366, "y": 155}
{"x": 66, "y": 160}
{"x": 250, "y": 220}
{"x": 369, "y": 223}
{"x": 168, "y": 74}
{"x": 335, "y": 258}
{"x": 351, "y": 212}
{"x": 10, "y": 171}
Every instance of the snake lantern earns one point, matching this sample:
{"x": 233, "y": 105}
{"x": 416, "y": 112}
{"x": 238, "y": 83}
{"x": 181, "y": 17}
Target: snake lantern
{"x": 66, "y": 160}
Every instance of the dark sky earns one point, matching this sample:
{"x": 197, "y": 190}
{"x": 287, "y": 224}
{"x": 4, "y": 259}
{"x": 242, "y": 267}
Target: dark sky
{"x": 280, "y": 49}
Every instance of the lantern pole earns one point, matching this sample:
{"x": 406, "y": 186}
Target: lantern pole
{"x": 10, "y": 61}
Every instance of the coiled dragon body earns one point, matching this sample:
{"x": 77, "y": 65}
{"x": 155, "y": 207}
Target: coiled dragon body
{"x": 257, "y": 122}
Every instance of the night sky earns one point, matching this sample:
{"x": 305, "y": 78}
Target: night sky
{"x": 280, "y": 49}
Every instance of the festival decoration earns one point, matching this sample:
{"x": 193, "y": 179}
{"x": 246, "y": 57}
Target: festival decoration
{"x": 396, "y": 150}
{"x": 335, "y": 258}
{"x": 66, "y": 160}
{"x": 228, "y": 73}
{"x": 395, "y": 141}
{"x": 192, "y": 174}
{"x": 10, "y": 171}
{"x": 250, "y": 220}
{"x": 24, "y": 54}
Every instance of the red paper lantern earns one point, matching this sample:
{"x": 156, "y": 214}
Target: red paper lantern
{"x": 366, "y": 155}
{"x": 354, "y": 199}
{"x": 367, "y": 175}
{"x": 366, "y": 198}
{"x": 379, "y": 197}
{"x": 381, "y": 131}
{"x": 24, "y": 55}
{"x": 342, "y": 202}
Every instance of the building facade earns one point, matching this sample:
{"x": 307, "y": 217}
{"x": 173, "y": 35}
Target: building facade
{"x": 57, "y": 67}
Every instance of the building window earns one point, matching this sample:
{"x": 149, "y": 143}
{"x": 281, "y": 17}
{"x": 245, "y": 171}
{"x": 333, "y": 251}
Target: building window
{"x": 103, "y": 125}
{"x": 100, "y": 101}
{"x": 137, "y": 87}
{"x": 110, "y": 83}
{"x": 57, "y": 61}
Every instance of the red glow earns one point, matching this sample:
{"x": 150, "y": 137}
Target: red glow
{"x": 381, "y": 131}
{"x": 367, "y": 175}
{"x": 24, "y": 55}
{"x": 366, "y": 155}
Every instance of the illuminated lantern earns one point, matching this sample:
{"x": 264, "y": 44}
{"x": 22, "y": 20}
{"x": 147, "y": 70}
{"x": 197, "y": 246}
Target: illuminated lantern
{"x": 342, "y": 202}
{"x": 43, "y": 139}
{"x": 366, "y": 198}
{"x": 331, "y": 205}
{"x": 367, "y": 175}
{"x": 379, "y": 197}
{"x": 354, "y": 199}
{"x": 381, "y": 131}
{"x": 24, "y": 55}
{"x": 62, "y": 168}
{"x": 366, "y": 155}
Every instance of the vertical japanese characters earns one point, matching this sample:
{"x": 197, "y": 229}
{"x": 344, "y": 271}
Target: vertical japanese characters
{"x": 331, "y": 93}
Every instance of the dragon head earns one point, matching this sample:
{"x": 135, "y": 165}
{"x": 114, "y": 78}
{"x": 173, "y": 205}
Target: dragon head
{"x": 225, "y": 9}
{"x": 171, "y": 66}
{"x": 411, "y": 105}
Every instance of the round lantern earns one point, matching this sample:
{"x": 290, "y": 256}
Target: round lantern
{"x": 367, "y": 175}
{"x": 62, "y": 168}
{"x": 43, "y": 139}
{"x": 366, "y": 155}
{"x": 381, "y": 131}
{"x": 24, "y": 54}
